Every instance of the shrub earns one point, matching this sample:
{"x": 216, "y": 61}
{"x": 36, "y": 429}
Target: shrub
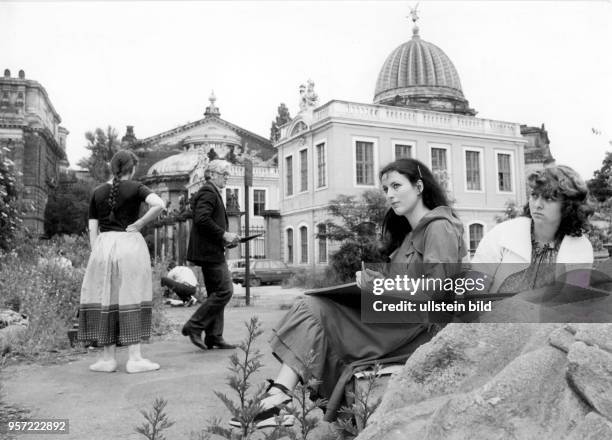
{"x": 36, "y": 283}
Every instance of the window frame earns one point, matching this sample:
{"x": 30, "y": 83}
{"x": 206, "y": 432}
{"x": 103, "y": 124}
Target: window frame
{"x": 449, "y": 162}
{"x": 285, "y": 180}
{"x": 374, "y": 142}
{"x": 287, "y": 260}
{"x": 512, "y": 172}
{"x": 316, "y": 165}
{"x": 469, "y": 237}
{"x": 302, "y": 175}
{"x": 480, "y": 152}
{"x": 411, "y": 144}
{"x": 265, "y": 191}
{"x": 303, "y": 260}
{"x": 319, "y": 241}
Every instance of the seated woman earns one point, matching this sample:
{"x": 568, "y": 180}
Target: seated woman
{"x": 551, "y": 230}
{"x": 418, "y": 228}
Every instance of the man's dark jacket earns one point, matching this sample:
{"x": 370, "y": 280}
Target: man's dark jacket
{"x": 206, "y": 243}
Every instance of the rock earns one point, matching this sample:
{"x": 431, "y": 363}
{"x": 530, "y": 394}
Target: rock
{"x": 10, "y": 317}
{"x": 12, "y": 326}
{"x": 590, "y": 372}
{"x": 502, "y": 381}
{"x": 561, "y": 338}
{"x": 593, "y": 427}
{"x": 599, "y": 335}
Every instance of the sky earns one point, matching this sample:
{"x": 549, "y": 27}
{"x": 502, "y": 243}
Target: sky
{"x": 153, "y": 64}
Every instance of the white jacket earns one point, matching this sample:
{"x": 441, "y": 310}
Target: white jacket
{"x": 510, "y": 242}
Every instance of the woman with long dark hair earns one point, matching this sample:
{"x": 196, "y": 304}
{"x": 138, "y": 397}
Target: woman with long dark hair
{"x": 419, "y": 228}
{"x": 116, "y": 296}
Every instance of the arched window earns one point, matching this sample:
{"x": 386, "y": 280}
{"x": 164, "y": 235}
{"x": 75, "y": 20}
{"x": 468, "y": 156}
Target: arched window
{"x": 476, "y": 231}
{"x": 289, "y": 245}
{"x": 322, "y": 237}
{"x": 303, "y": 244}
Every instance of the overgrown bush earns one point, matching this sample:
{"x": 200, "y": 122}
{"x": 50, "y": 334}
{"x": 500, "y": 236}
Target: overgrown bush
{"x": 37, "y": 281}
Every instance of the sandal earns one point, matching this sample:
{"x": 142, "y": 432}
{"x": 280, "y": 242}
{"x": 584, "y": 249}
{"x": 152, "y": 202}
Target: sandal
{"x": 269, "y": 418}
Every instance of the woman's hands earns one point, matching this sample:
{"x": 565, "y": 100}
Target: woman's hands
{"x": 365, "y": 277}
{"x": 134, "y": 227}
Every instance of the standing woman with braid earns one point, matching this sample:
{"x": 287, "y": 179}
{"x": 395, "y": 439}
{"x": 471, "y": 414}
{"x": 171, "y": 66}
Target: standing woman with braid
{"x": 116, "y": 296}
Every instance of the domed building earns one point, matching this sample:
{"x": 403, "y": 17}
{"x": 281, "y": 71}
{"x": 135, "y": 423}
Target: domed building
{"x": 169, "y": 160}
{"x": 418, "y": 74}
{"x": 420, "y": 111}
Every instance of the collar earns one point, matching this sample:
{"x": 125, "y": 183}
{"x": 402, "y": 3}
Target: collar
{"x": 518, "y": 238}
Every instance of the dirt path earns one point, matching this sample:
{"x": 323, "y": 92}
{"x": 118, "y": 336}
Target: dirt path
{"x": 106, "y": 406}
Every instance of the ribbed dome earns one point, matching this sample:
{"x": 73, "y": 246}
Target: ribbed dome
{"x": 181, "y": 163}
{"x": 420, "y": 74}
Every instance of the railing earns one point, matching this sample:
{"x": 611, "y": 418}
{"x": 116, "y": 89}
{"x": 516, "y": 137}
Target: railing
{"x": 418, "y": 118}
{"x": 171, "y": 238}
{"x": 257, "y": 246}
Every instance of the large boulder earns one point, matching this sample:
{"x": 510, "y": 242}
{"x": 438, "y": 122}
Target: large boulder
{"x": 502, "y": 381}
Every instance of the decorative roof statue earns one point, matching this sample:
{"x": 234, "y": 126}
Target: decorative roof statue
{"x": 414, "y": 16}
{"x": 212, "y": 109}
{"x": 308, "y": 97}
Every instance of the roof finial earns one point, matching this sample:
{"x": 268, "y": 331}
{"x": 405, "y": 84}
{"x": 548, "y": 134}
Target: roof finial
{"x": 212, "y": 110}
{"x": 413, "y": 15}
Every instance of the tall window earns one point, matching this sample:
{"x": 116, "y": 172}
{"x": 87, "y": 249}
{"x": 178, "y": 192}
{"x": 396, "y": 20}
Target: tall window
{"x": 472, "y": 170}
{"x": 232, "y": 194}
{"x": 303, "y": 170}
{"x": 403, "y": 151}
{"x": 259, "y": 201}
{"x": 304, "y": 244}
{"x": 439, "y": 165}
{"x": 290, "y": 246}
{"x": 364, "y": 162}
{"x": 476, "y": 232}
{"x": 504, "y": 172}
{"x": 289, "y": 175}
{"x": 321, "y": 171}
{"x": 321, "y": 233}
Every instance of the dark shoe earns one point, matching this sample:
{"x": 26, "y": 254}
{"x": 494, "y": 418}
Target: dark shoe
{"x": 194, "y": 338}
{"x": 217, "y": 341}
{"x": 271, "y": 417}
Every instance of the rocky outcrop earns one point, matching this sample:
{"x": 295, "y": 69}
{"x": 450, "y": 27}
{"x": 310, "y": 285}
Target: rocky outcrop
{"x": 12, "y": 326}
{"x": 502, "y": 381}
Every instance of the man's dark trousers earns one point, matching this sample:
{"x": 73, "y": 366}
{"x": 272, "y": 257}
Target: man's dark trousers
{"x": 219, "y": 289}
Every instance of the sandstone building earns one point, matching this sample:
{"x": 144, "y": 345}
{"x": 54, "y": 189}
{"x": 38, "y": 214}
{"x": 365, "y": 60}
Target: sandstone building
{"x": 30, "y": 130}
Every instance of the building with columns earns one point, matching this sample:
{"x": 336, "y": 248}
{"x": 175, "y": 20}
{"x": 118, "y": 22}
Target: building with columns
{"x": 172, "y": 162}
{"x": 419, "y": 111}
{"x": 30, "y": 131}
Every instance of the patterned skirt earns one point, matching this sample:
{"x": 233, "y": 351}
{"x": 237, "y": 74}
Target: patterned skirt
{"x": 116, "y": 296}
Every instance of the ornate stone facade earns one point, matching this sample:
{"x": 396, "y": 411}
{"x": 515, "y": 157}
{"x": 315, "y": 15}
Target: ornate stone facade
{"x": 30, "y": 129}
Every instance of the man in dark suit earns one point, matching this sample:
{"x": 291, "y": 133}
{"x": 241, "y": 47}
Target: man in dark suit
{"x": 207, "y": 242}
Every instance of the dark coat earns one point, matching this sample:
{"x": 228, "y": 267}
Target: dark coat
{"x": 206, "y": 244}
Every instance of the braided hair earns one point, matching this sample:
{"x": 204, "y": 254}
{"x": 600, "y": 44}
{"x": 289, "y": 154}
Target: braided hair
{"x": 122, "y": 163}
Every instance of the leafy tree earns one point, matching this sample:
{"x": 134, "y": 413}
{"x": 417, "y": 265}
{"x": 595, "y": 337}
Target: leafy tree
{"x": 511, "y": 210}
{"x": 67, "y": 208}
{"x": 600, "y": 186}
{"x": 358, "y": 230}
{"x": 102, "y": 145}
{"x": 282, "y": 118}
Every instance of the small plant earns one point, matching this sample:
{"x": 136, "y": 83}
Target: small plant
{"x": 242, "y": 367}
{"x": 156, "y": 421}
{"x": 354, "y": 417}
{"x": 304, "y": 407}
